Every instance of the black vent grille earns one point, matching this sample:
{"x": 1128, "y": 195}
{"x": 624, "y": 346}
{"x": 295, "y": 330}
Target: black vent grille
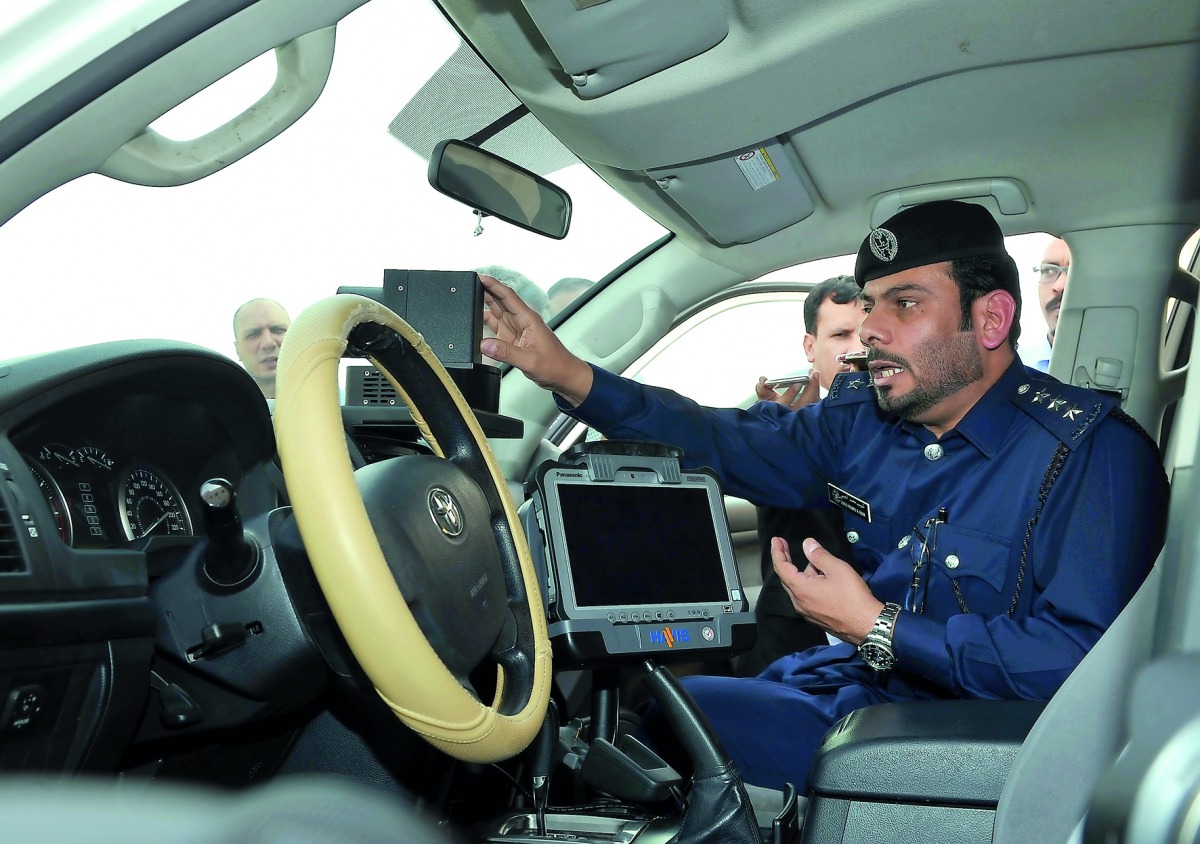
{"x": 10, "y": 547}
{"x": 377, "y": 390}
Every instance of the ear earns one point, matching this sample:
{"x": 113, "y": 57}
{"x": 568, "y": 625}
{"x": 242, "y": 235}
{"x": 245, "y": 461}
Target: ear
{"x": 994, "y": 313}
{"x": 810, "y": 348}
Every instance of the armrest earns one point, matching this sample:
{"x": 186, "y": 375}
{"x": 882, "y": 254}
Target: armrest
{"x": 953, "y": 752}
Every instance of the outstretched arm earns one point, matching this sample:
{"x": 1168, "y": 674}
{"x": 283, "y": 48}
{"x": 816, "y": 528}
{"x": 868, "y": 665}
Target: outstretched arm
{"x": 524, "y": 340}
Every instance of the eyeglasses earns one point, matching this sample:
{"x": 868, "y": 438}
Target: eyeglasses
{"x": 1049, "y": 273}
{"x": 919, "y": 587}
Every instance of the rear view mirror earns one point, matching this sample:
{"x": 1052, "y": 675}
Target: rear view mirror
{"x": 493, "y": 186}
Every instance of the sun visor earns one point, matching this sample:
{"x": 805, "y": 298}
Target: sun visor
{"x": 603, "y": 45}
{"x": 741, "y": 196}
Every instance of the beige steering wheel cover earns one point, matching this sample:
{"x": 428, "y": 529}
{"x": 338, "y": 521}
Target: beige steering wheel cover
{"x": 346, "y": 556}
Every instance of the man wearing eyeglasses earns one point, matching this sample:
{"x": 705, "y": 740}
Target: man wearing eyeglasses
{"x": 1000, "y": 519}
{"x": 1052, "y": 281}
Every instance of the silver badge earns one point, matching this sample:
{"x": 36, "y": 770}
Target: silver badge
{"x": 848, "y": 501}
{"x": 445, "y": 512}
{"x": 883, "y": 245}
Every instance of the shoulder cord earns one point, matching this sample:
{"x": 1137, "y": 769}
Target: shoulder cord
{"x": 1052, "y": 472}
{"x": 1118, "y": 413}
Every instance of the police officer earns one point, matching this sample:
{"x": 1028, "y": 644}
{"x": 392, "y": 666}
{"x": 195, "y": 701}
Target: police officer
{"x": 1000, "y": 519}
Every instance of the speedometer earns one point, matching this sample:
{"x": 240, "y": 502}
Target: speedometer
{"x": 150, "y": 504}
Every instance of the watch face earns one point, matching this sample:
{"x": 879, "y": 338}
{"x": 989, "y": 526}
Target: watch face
{"x": 878, "y": 657}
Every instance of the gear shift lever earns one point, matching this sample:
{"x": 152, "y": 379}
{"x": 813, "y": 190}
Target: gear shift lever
{"x": 541, "y": 764}
{"x": 719, "y": 810}
{"x": 230, "y": 557}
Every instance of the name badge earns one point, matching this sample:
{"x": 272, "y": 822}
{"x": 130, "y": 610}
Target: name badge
{"x": 840, "y": 498}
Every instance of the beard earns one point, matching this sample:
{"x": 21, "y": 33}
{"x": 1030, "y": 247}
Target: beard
{"x": 939, "y": 369}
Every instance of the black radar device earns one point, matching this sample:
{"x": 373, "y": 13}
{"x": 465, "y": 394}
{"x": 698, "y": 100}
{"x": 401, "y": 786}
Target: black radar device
{"x": 636, "y": 559}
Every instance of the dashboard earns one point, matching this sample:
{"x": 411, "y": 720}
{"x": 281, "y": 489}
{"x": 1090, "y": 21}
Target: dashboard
{"x": 117, "y": 448}
{"x": 102, "y": 453}
{"x": 123, "y": 640}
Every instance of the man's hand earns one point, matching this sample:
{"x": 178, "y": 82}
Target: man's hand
{"x": 524, "y": 340}
{"x": 829, "y": 593}
{"x": 793, "y": 397}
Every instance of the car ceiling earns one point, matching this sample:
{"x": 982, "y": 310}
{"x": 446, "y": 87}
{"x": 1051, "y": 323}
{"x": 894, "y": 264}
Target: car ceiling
{"x": 1053, "y": 95}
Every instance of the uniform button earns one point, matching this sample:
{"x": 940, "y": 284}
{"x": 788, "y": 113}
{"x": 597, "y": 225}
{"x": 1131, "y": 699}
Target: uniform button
{"x": 852, "y": 536}
{"x": 951, "y": 561}
{"x": 1023, "y": 389}
{"x": 903, "y": 543}
{"x": 934, "y": 451}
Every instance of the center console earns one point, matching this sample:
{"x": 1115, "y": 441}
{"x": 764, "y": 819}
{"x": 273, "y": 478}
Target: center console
{"x": 637, "y": 568}
{"x": 930, "y": 770}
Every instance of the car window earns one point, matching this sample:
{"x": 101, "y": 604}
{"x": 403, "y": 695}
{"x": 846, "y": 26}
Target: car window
{"x": 338, "y": 198}
{"x": 715, "y": 353}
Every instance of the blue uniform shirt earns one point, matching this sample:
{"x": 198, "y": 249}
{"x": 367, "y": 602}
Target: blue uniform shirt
{"x": 1055, "y": 503}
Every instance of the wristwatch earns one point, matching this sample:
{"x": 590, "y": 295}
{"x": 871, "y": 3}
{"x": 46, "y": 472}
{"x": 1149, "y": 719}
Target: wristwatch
{"x": 876, "y": 649}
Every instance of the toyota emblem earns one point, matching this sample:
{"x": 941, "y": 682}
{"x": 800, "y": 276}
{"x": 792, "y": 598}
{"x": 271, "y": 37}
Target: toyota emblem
{"x": 445, "y": 511}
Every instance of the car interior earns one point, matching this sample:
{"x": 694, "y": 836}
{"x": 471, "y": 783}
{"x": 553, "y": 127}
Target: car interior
{"x": 356, "y": 607}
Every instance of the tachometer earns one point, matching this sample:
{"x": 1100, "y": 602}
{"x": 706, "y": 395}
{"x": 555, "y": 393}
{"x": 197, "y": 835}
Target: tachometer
{"x": 54, "y": 497}
{"x": 150, "y": 504}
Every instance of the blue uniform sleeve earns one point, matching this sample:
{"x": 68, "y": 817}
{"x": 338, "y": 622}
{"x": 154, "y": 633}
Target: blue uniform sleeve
{"x": 1094, "y": 540}
{"x": 767, "y": 454}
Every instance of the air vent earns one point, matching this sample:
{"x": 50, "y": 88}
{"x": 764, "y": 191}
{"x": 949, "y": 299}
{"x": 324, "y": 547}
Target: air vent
{"x": 366, "y": 387}
{"x": 10, "y": 547}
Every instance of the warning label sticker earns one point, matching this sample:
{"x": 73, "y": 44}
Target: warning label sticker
{"x": 757, "y": 167}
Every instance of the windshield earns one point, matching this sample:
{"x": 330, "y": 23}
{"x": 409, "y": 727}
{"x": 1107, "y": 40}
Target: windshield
{"x": 334, "y": 201}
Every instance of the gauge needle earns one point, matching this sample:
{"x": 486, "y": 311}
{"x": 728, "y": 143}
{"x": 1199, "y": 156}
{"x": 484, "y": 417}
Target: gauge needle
{"x": 155, "y": 524}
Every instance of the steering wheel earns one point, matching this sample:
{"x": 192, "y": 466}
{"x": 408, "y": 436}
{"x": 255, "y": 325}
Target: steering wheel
{"x": 422, "y": 559}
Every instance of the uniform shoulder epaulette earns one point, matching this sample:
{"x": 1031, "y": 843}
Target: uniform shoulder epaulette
{"x": 850, "y": 387}
{"x": 1069, "y": 413}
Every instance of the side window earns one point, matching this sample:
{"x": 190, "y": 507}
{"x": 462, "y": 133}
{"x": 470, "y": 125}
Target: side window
{"x": 716, "y": 354}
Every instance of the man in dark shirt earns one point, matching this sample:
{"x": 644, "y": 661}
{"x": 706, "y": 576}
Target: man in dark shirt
{"x": 832, "y": 314}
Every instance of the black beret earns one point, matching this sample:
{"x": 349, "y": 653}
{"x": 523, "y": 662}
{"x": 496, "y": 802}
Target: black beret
{"x": 928, "y": 234}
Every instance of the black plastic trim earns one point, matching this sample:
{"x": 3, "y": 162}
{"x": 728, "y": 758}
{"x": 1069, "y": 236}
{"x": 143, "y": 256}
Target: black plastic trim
{"x": 69, "y": 623}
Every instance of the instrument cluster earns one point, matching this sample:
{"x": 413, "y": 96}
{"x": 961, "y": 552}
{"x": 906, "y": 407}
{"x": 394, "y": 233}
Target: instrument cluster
{"x": 101, "y": 498}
